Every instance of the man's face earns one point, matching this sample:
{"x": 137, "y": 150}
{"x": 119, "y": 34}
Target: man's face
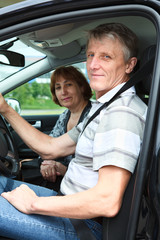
{"x": 106, "y": 65}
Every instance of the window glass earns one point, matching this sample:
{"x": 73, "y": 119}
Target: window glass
{"x": 30, "y": 56}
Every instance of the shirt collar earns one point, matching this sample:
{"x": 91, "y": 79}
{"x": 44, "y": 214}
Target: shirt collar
{"x": 107, "y": 96}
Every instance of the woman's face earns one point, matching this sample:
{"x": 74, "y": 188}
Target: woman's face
{"x": 68, "y": 93}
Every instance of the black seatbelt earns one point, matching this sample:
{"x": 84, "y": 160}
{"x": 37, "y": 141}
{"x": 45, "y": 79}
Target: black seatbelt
{"x": 82, "y": 229}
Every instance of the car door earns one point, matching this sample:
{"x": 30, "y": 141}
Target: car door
{"x": 44, "y": 123}
{"x": 129, "y": 12}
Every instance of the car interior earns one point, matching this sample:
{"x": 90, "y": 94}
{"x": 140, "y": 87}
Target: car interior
{"x": 63, "y": 42}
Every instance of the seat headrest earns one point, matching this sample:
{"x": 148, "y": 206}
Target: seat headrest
{"x": 148, "y": 54}
{"x": 144, "y": 86}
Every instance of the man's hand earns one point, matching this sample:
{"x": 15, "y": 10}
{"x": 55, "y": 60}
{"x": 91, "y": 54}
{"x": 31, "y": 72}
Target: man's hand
{"x": 3, "y": 104}
{"x": 50, "y": 169}
{"x": 21, "y": 198}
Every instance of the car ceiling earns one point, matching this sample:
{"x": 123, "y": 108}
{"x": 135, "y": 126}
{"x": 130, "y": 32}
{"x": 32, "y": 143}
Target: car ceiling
{"x": 69, "y": 40}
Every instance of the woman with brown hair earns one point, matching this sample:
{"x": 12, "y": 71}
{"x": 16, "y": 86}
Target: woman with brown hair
{"x": 69, "y": 89}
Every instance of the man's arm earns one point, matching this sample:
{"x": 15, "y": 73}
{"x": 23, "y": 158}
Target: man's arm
{"x": 104, "y": 199}
{"x": 46, "y": 146}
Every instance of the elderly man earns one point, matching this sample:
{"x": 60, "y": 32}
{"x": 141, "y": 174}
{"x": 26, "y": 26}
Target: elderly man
{"x": 106, "y": 152}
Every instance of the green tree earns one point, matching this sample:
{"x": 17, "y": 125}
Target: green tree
{"x": 21, "y": 93}
{"x": 36, "y": 89}
{"x": 46, "y": 90}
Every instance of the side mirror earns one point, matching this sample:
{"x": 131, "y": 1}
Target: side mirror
{"x": 14, "y": 103}
{"x": 11, "y": 58}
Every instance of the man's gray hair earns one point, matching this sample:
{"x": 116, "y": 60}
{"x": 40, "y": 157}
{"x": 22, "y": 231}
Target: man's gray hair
{"x": 118, "y": 31}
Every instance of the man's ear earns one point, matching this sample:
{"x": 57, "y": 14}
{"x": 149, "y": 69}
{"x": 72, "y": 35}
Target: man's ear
{"x": 131, "y": 64}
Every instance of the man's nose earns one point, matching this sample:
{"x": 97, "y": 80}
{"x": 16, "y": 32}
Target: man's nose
{"x": 94, "y": 64}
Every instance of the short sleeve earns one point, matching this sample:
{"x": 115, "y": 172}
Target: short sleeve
{"x": 74, "y": 133}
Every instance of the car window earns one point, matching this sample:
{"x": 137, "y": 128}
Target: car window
{"x": 35, "y": 97}
{"x": 30, "y": 55}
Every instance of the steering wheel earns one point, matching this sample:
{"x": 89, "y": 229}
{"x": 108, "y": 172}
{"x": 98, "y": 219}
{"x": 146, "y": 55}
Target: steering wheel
{"x": 9, "y": 161}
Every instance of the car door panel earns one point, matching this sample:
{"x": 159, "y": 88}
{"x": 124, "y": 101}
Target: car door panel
{"x": 44, "y": 123}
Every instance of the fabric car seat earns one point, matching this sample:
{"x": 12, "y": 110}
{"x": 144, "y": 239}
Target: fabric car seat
{"x": 143, "y": 87}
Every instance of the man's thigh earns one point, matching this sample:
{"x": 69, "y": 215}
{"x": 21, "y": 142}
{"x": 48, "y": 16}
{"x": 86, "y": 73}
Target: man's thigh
{"x": 7, "y": 184}
{"x": 17, "y": 225}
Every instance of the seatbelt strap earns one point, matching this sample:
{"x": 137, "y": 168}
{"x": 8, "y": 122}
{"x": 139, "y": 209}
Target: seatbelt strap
{"x": 136, "y": 78}
{"x": 82, "y": 229}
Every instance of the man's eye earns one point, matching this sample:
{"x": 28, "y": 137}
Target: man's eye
{"x": 90, "y": 55}
{"x": 106, "y": 56}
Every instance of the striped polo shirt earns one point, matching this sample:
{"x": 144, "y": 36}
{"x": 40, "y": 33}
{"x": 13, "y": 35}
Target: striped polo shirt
{"x": 114, "y": 138}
